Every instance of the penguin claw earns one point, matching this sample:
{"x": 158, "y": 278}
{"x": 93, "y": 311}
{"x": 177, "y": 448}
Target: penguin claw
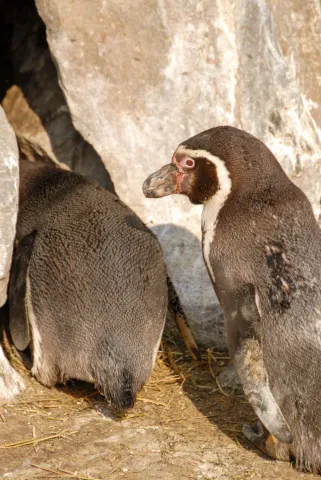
{"x": 255, "y": 435}
{"x": 258, "y": 428}
{"x": 249, "y": 433}
{"x": 176, "y": 310}
{"x": 260, "y": 438}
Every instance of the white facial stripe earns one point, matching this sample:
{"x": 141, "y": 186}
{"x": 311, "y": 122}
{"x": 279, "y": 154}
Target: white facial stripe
{"x": 213, "y": 206}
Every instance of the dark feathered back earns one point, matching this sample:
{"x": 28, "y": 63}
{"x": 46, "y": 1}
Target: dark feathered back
{"x": 97, "y": 283}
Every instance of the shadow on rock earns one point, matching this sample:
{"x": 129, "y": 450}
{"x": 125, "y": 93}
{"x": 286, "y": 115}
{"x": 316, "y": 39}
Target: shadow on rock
{"x": 34, "y": 102}
{"x": 183, "y": 257}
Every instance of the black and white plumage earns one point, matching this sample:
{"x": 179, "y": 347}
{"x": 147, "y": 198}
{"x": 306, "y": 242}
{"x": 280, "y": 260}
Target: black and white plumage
{"x": 88, "y": 290}
{"x": 262, "y": 248}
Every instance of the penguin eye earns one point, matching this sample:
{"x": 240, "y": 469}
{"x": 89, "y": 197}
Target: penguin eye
{"x": 189, "y": 163}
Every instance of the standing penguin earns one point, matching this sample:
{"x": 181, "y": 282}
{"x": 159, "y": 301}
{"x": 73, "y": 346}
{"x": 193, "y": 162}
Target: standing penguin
{"x": 262, "y": 249}
{"x": 88, "y": 292}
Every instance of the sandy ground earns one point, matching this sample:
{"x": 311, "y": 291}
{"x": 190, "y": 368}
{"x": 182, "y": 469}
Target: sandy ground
{"x": 182, "y": 427}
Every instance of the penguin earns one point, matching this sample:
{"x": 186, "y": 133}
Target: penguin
{"x": 88, "y": 291}
{"x": 262, "y": 249}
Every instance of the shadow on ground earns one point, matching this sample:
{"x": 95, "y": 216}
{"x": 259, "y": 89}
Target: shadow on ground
{"x": 182, "y": 427}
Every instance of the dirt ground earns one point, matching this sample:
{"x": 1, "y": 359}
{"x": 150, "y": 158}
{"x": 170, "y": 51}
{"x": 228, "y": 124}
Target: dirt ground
{"x": 184, "y": 426}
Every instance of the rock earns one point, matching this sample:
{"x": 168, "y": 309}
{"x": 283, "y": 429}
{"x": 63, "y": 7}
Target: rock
{"x": 35, "y": 105}
{"x": 34, "y": 142}
{"x": 9, "y": 185}
{"x": 10, "y": 381}
{"x": 140, "y": 78}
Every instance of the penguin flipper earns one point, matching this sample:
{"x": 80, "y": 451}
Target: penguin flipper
{"x": 242, "y": 321}
{"x": 18, "y": 317}
{"x": 176, "y": 310}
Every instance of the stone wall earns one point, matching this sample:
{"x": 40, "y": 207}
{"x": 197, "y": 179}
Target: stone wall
{"x": 10, "y": 382}
{"x": 35, "y": 104}
{"x": 9, "y": 185}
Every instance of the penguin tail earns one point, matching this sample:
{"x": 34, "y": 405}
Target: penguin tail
{"x": 118, "y": 388}
{"x": 124, "y": 396}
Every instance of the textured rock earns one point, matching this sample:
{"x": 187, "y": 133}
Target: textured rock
{"x": 9, "y": 179}
{"x": 35, "y": 105}
{"x": 140, "y": 78}
{"x": 10, "y": 382}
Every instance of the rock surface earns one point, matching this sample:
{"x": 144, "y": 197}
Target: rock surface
{"x": 140, "y": 78}
{"x": 9, "y": 185}
{"x": 35, "y": 105}
{"x": 10, "y": 381}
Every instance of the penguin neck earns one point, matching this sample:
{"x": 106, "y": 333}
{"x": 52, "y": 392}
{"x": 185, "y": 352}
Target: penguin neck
{"x": 29, "y": 172}
{"x": 212, "y": 209}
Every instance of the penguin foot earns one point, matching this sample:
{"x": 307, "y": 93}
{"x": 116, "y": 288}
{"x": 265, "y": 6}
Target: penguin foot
{"x": 265, "y": 442}
{"x": 187, "y": 336}
{"x": 176, "y": 311}
{"x": 24, "y": 357}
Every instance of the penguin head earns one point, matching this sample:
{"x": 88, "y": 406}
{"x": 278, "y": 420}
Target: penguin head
{"x": 187, "y": 174}
{"x": 216, "y": 161}
{"x": 195, "y": 170}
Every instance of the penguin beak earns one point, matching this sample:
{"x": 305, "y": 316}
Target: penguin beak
{"x": 162, "y": 183}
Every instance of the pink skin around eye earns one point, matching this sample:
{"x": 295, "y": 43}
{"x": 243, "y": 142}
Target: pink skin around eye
{"x": 183, "y": 162}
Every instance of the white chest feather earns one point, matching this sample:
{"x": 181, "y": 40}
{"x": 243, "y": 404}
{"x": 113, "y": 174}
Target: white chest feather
{"x": 212, "y": 209}
{"x": 213, "y": 206}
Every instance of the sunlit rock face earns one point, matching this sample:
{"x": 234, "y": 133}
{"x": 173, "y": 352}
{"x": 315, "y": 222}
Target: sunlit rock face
{"x": 141, "y": 77}
{"x": 11, "y": 383}
{"x": 9, "y": 185}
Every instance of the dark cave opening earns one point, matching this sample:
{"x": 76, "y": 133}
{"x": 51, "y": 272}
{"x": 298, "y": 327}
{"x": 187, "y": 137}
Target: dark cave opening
{"x": 32, "y": 99}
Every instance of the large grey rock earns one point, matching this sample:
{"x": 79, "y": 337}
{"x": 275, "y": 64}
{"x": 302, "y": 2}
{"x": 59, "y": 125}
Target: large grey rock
{"x": 10, "y": 381}
{"x": 140, "y": 77}
{"x": 35, "y": 105}
{"x": 9, "y": 185}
